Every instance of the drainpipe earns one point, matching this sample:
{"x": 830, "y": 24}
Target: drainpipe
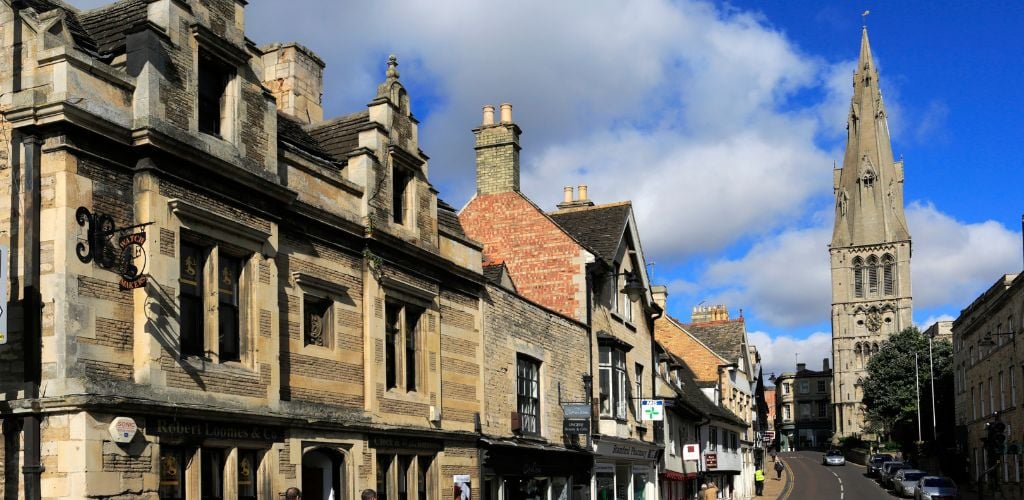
{"x": 32, "y": 307}
{"x": 590, "y": 355}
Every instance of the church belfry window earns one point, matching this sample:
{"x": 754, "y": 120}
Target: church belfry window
{"x": 888, "y": 270}
{"x": 872, "y": 275}
{"x": 858, "y": 277}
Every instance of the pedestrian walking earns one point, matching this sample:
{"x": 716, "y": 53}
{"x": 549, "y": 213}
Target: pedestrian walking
{"x": 758, "y": 481}
{"x": 292, "y": 493}
{"x": 778, "y": 470}
{"x": 712, "y": 491}
{"x": 369, "y": 494}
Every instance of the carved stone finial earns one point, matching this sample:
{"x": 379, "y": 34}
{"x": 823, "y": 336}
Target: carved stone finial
{"x": 392, "y": 67}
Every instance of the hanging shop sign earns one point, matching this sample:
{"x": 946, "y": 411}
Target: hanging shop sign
{"x": 576, "y": 411}
{"x": 576, "y": 426}
{"x": 120, "y": 249}
{"x": 711, "y": 461}
{"x": 691, "y": 452}
{"x": 652, "y": 409}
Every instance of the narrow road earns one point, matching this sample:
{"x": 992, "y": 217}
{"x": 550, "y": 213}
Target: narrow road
{"x": 815, "y": 481}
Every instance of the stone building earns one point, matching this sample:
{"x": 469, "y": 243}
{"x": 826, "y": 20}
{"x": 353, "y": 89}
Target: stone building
{"x": 870, "y": 249}
{"x": 803, "y": 414}
{"x": 250, "y": 297}
{"x": 986, "y": 361}
{"x": 584, "y": 261}
{"x": 534, "y": 363}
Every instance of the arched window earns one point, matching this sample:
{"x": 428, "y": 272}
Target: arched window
{"x": 872, "y": 275}
{"x": 858, "y": 277}
{"x": 874, "y": 348}
{"x": 858, "y": 354}
{"x": 888, "y": 272}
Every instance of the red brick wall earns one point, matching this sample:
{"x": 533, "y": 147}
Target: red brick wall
{"x": 540, "y": 257}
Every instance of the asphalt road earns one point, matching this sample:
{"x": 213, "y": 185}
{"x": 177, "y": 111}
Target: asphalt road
{"x": 813, "y": 481}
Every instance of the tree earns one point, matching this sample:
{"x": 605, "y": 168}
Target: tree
{"x": 890, "y": 398}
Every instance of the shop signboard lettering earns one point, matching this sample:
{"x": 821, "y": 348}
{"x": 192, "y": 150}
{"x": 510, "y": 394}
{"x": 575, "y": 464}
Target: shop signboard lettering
{"x": 627, "y": 451}
{"x": 711, "y": 461}
{"x": 403, "y": 443}
{"x": 213, "y": 430}
{"x": 576, "y": 426}
{"x": 576, "y": 411}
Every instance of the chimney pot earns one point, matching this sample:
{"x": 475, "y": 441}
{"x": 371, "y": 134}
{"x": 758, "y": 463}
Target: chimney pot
{"x": 506, "y": 113}
{"x": 824, "y": 364}
{"x": 567, "y": 194}
{"x": 801, "y": 367}
{"x": 583, "y": 192}
{"x": 488, "y": 115}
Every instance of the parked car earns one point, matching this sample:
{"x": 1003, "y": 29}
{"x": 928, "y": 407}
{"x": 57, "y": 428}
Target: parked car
{"x": 833, "y": 457}
{"x": 875, "y": 463}
{"x": 888, "y": 470}
{"x": 905, "y": 480}
{"x": 936, "y": 488}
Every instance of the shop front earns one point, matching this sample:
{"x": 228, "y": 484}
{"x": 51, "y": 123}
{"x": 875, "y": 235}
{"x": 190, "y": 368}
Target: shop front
{"x": 521, "y": 470}
{"x": 625, "y": 470}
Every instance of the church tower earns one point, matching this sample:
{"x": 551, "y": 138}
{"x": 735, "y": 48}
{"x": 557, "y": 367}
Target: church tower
{"x": 870, "y": 250}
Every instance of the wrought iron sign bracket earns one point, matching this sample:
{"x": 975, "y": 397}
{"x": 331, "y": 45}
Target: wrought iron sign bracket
{"x": 124, "y": 254}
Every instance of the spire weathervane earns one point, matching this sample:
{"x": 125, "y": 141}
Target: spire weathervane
{"x": 864, "y": 18}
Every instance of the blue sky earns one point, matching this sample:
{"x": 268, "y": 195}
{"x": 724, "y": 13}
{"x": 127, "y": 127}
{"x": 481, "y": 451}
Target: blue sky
{"x": 720, "y": 121}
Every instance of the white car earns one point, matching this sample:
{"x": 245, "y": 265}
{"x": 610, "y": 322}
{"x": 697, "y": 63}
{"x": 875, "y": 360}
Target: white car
{"x": 833, "y": 457}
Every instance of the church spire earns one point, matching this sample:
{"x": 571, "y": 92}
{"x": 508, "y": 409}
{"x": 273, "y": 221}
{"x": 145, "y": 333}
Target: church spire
{"x": 869, "y": 186}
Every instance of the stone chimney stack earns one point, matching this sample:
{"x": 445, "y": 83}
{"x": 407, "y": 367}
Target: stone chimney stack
{"x": 660, "y": 294}
{"x": 295, "y": 76}
{"x": 705, "y": 314}
{"x": 497, "y": 152}
{"x": 569, "y": 202}
{"x": 801, "y": 367}
{"x": 824, "y": 364}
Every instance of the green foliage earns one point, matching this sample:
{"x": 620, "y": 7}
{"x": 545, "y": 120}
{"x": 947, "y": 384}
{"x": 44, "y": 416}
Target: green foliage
{"x": 852, "y": 442}
{"x": 890, "y": 397}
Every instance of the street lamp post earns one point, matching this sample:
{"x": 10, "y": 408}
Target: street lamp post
{"x": 931, "y": 375}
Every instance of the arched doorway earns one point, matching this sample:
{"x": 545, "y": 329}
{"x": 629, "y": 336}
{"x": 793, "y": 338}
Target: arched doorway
{"x": 323, "y": 475}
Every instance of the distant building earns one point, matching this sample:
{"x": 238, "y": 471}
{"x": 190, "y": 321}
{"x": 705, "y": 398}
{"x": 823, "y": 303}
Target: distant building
{"x": 987, "y": 360}
{"x": 803, "y": 416}
{"x": 769, "y": 399}
{"x": 870, "y": 250}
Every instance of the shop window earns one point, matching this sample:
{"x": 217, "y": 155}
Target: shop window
{"x": 210, "y": 327}
{"x": 613, "y": 382}
{"x": 214, "y": 106}
{"x": 318, "y": 326}
{"x": 400, "y": 182}
{"x": 172, "y": 473}
{"x": 211, "y": 481}
{"x": 402, "y": 353}
{"x": 528, "y": 394}
{"x": 247, "y": 467}
{"x": 405, "y": 477}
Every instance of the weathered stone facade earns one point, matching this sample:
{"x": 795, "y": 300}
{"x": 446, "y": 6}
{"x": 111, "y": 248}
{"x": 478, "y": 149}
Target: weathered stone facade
{"x": 988, "y": 378}
{"x": 309, "y": 313}
{"x": 870, "y": 249}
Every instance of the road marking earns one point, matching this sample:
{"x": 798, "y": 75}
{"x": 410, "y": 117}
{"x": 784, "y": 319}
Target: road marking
{"x": 842, "y": 493}
{"x": 791, "y": 480}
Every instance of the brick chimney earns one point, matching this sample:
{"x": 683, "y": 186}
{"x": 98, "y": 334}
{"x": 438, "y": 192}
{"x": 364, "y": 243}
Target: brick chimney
{"x": 295, "y": 76}
{"x": 497, "y": 152}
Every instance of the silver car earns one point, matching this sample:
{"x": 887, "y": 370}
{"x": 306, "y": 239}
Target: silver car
{"x": 905, "y": 480}
{"x": 936, "y": 488}
{"x": 888, "y": 470}
{"x": 833, "y": 457}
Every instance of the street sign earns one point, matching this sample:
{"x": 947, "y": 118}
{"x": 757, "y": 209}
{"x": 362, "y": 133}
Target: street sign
{"x": 769, "y": 435}
{"x": 711, "y": 461}
{"x": 691, "y": 452}
{"x": 652, "y": 409}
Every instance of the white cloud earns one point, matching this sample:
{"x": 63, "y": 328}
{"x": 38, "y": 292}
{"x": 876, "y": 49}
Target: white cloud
{"x": 781, "y": 353}
{"x": 784, "y": 280}
{"x": 955, "y": 261}
{"x": 931, "y": 320}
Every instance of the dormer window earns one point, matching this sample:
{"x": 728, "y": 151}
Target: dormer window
{"x": 215, "y": 104}
{"x": 400, "y": 182}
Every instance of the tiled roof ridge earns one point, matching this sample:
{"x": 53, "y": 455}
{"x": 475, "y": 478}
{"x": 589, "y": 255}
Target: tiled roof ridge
{"x": 715, "y": 322}
{"x": 584, "y": 208}
{"x": 679, "y": 325}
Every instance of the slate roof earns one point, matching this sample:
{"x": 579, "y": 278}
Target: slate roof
{"x": 725, "y": 337}
{"x": 448, "y": 219}
{"x": 493, "y": 272}
{"x": 78, "y": 32}
{"x": 107, "y": 25}
{"x": 599, "y": 228}
{"x": 294, "y": 133}
{"x": 691, "y": 394}
{"x": 339, "y": 136}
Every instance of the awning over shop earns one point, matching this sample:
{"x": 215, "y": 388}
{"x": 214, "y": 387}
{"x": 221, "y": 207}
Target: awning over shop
{"x": 522, "y": 458}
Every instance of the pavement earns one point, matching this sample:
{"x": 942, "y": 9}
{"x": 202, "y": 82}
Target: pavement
{"x": 777, "y": 489}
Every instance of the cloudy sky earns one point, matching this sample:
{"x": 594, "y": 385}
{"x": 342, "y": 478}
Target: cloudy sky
{"x": 721, "y": 122}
